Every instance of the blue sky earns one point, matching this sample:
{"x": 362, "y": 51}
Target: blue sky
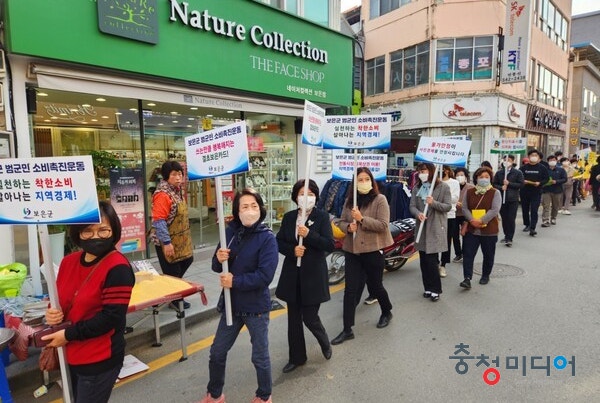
{"x": 579, "y": 6}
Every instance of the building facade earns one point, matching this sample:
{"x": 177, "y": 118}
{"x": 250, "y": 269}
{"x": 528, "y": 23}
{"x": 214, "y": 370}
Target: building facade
{"x": 138, "y": 77}
{"x": 438, "y": 77}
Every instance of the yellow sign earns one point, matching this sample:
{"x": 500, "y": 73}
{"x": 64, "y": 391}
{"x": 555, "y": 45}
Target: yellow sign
{"x": 574, "y": 141}
{"x": 207, "y": 124}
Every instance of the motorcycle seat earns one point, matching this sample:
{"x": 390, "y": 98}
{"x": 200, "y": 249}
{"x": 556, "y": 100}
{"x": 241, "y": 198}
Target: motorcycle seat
{"x": 401, "y": 226}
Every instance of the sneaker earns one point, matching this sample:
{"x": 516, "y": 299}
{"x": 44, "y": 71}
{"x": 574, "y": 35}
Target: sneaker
{"x": 259, "y": 400}
{"x": 442, "y": 270}
{"x": 508, "y": 243}
{"x": 561, "y": 211}
{"x": 532, "y": 232}
{"x": 466, "y": 283}
{"x": 566, "y": 212}
{"x": 503, "y": 240}
{"x": 435, "y": 297}
{"x": 209, "y": 399}
{"x": 427, "y": 294}
{"x": 526, "y": 228}
{"x": 553, "y": 221}
{"x": 545, "y": 224}
{"x": 457, "y": 259}
{"x": 370, "y": 300}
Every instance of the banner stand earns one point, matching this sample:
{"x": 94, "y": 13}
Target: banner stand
{"x": 302, "y": 211}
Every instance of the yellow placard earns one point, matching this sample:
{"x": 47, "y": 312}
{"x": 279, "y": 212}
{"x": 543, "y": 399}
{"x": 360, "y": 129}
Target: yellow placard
{"x": 478, "y": 213}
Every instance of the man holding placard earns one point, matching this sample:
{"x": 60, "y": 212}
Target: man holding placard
{"x": 509, "y": 181}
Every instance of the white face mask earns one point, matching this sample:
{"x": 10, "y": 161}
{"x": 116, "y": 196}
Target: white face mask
{"x": 552, "y": 163}
{"x": 249, "y": 217}
{"x": 424, "y": 177}
{"x": 364, "y": 187}
{"x": 310, "y": 202}
{"x": 533, "y": 160}
{"x": 461, "y": 179}
{"x": 507, "y": 164}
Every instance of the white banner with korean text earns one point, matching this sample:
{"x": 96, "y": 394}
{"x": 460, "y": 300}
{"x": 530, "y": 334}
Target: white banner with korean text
{"x": 217, "y": 152}
{"x": 443, "y": 150}
{"x": 344, "y": 165}
{"x": 48, "y": 190}
{"x": 357, "y": 132}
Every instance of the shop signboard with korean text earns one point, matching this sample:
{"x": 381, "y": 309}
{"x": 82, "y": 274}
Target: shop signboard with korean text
{"x": 52, "y": 190}
{"x": 515, "y": 56}
{"x": 344, "y": 165}
{"x": 357, "y": 132}
{"x": 443, "y": 150}
{"x": 516, "y": 145}
{"x": 127, "y": 197}
{"x": 217, "y": 152}
{"x": 236, "y": 44}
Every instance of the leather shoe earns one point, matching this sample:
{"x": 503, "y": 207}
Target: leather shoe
{"x": 327, "y": 352}
{"x": 384, "y": 320}
{"x": 532, "y": 233}
{"x": 526, "y": 228}
{"x": 289, "y": 367}
{"x": 342, "y": 337}
{"x": 484, "y": 280}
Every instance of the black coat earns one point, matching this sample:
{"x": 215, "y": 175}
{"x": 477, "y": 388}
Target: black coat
{"x": 515, "y": 183}
{"x": 311, "y": 279}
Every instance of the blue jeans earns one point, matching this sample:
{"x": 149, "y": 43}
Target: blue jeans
{"x": 488, "y": 247}
{"x": 258, "y": 327}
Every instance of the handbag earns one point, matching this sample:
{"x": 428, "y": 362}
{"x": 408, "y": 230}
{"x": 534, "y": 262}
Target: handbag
{"x": 37, "y": 336}
{"x": 49, "y": 359}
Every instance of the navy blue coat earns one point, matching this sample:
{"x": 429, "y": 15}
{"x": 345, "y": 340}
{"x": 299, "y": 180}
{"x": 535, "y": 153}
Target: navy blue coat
{"x": 308, "y": 284}
{"x": 253, "y": 259}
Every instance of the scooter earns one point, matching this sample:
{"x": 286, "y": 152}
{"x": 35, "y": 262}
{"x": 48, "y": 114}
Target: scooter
{"x": 396, "y": 255}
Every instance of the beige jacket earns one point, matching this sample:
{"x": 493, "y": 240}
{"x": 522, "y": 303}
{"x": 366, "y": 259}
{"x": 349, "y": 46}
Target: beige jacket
{"x": 374, "y": 232}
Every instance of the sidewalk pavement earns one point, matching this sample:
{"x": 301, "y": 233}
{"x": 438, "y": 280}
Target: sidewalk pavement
{"x": 26, "y": 374}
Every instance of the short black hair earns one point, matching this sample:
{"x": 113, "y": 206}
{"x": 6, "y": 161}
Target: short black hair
{"x": 464, "y": 171}
{"x": 533, "y": 150}
{"x": 257, "y": 197}
{"x": 551, "y": 157}
{"x": 168, "y": 167}
{"x": 512, "y": 157}
{"x": 312, "y": 186}
{"x": 106, "y": 210}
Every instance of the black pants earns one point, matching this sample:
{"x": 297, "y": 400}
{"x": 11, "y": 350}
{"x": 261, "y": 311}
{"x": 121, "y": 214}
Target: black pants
{"x": 94, "y": 388}
{"x": 430, "y": 272}
{"x": 530, "y": 203}
{"x": 176, "y": 269}
{"x": 595, "y": 196}
{"x": 508, "y": 212}
{"x": 367, "y": 266}
{"x": 453, "y": 237}
{"x": 309, "y": 314}
{"x": 471, "y": 244}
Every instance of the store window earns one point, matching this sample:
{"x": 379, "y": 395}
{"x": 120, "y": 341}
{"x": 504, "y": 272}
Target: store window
{"x": 409, "y": 67}
{"x": 460, "y": 59}
{"x": 375, "y": 75}
{"x": 381, "y": 7}
{"x": 551, "y": 22}
{"x": 549, "y": 87}
{"x": 132, "y": 138}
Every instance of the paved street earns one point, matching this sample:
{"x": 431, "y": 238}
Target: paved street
{"x": 541, "y": 301}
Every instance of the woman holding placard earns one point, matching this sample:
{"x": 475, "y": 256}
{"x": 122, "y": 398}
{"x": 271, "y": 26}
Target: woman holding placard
{"x": 367, "y": 228}
{"x": 304, "y": 288}
{"x": 435, "y": 225}
{"x": 481, "y": 206}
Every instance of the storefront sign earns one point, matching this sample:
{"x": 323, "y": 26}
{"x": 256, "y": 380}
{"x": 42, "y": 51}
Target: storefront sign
{"x": 443, "y": 150}
{"x": 515, "y": 55}
{"x": 397, "y": 117}
{"x": 127, "y": 197}
{"x": 217, "y": 152}
{"x": 513, "y": 113}
{"x": 312, "y": 124}
{"x": 241, "y": 45}
{"x": 344, "y": 165}
{"x": 545, "y": 121}
{"x": 52, "y": 190}
{"x": 508, "y": 145}
{"x": 464, "y": 110}
{"x": 362, "y": 131}
{"x": 75, "y": 115}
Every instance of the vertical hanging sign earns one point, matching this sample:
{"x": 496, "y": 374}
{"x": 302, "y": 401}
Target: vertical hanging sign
{"x": 515, "y": 56}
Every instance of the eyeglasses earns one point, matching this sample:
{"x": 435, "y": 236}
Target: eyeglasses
{"x": 103, "y": 233}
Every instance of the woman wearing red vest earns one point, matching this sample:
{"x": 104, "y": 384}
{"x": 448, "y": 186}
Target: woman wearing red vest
{"x": 481, "y": 206}
{"x": 94, "y": 286}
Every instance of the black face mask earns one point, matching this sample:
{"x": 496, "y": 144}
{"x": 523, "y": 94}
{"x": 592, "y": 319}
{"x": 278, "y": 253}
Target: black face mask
{"x": 96, "y": 246}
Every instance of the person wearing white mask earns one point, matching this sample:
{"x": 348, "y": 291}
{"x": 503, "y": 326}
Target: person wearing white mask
{"x": 462, "y": 176}
{"x": 552, "y": 192}
{"x": 304, "y": 288}
{"x": 567, "y": 186}
{"x": 508, "y": 181}
{"x": 366, "y": 225}
{"x": 435, "y": 226}
{"x": 252, "y": 257}
{"x": 453, "y": 229}
{"x": 535, "y": 175}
